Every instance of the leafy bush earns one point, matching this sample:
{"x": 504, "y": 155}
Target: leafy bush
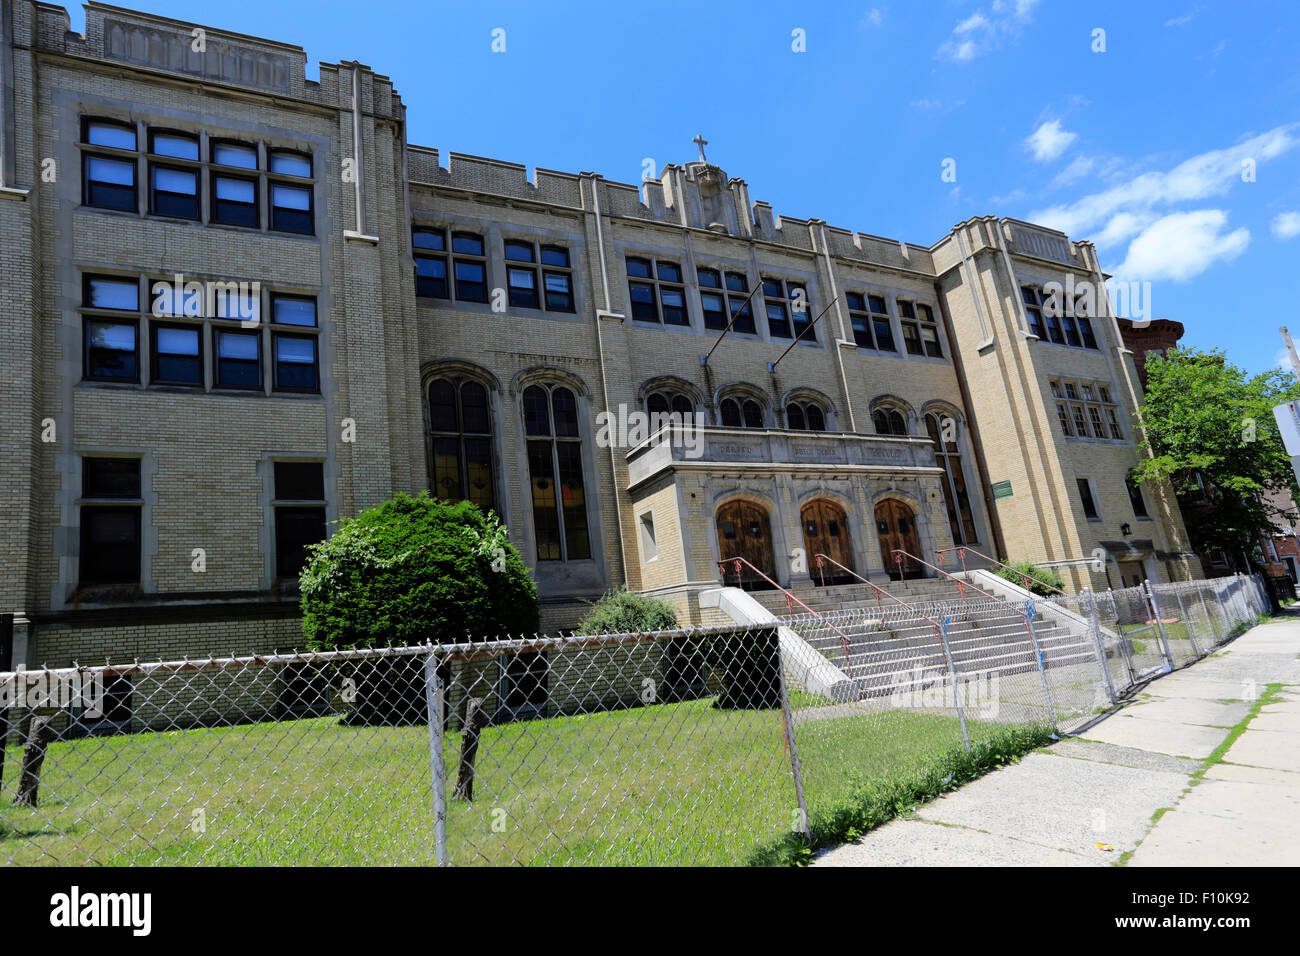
{"x": 1046, "y": 575}
{"x": 414, "y": 570}
{"x": 625, "y": 612}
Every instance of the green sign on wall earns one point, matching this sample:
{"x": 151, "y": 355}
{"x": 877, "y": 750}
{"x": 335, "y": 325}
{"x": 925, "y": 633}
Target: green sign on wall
{"x": 1001, "y": 489}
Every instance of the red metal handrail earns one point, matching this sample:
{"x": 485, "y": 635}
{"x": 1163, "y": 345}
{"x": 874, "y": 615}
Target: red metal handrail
{"x": 819, "y": 557}
{"x": 961, "y": 556}
{"x": 790, "y": 601}
{"x": 899, "y": 554}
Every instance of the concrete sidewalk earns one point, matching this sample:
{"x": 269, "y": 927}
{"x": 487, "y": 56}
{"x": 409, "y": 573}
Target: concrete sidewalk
{"x": 1146, "y": 781}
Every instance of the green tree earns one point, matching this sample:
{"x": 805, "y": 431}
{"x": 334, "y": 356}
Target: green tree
{"x": 1203, "y": 415}
{"x": 414, "y": 570}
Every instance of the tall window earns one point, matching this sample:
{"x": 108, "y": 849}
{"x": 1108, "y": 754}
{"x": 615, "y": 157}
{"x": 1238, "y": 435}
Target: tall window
{"x": 460, "y": 438}
{"x": 110, "y": 320}
{"x": 1135, "y": 497}
{"x": 666, "y": 401}
{"x": 110, "y": 521}
{"x": 555, "y": 473}
{"x": 1056, "y": 321}
{"x": 805, "y": 415}
{"x": 554, "y": 290}
{"x": 299, "y": 506}
{"x": 656, "y": 291}
{"x": 920, "y": 331}
{"x": 108, "y": 164}
{"x": 289, "y": 188}
{"x": 740, "y": 412}
{"x": 174, "y": 174}
{"x": 469, "y": 267}
{"x": 956, "y": 498}
{"x": 430, "y": 247}
{"x": 295, "y": 362}
{"x": 870, "y": 318}
{"x": 888, "y": 421}
{"x": 1087, "y": 499}
{"x": 789, "y": 312}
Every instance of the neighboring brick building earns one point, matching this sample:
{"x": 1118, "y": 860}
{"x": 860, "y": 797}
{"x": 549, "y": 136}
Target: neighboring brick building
{"x": 452, "y": 322}
{"x": 1155, "y": 335}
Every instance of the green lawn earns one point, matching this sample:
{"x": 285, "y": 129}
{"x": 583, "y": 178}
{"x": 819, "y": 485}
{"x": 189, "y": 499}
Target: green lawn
{"x": 670, "y": 783}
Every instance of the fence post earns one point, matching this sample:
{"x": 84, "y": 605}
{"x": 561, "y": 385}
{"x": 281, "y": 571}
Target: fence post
{"x": 787, "y": 728}
{"x": 952, "y": 675}
{"x": 1038, "y": 657}
{"x": 433, "y": 702}
{"x": 1099, "y": 644}
{"x": 1160, "y": 627}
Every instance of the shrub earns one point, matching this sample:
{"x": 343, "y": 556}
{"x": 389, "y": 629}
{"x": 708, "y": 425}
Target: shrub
{"x": 625, "y": 612}
{"x": 1046, "y": 575}
{"x": 414, "y": 570}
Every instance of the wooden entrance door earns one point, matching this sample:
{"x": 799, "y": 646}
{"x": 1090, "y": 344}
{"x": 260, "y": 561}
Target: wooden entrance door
{"x": 744, "y": 531}
{"x": 896, "y": 525}
{"x": 826, "y": 531}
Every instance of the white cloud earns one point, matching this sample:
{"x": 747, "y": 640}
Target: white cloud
{"x": 1179, "y": 21}
{"x": 1123, "y": 226}
{"x": 979, "y": 33}
{"x": 1286, "y": 225}
{"x": 1182, "y": 245}
{"x": 1208, "y": 174}
{"x": 1049, "y": 141}
{"x": 1079, "y": 167}
{"x": 873, "y": 17}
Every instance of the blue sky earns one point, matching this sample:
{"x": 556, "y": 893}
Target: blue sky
{"x": 1139, "y": 148}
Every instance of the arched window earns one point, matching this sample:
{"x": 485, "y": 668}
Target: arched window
{"x": 741, "y": 412}
{"x": 889, "y": 421}
{"x": 460, "y": 440}
{"x": 555, "y": 473}
{"x": 669, "y": 402}
{"x": 943, "y": 432}
{"x": 805, "y": 416}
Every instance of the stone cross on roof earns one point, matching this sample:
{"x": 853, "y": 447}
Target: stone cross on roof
{"x": 701, "y": 142}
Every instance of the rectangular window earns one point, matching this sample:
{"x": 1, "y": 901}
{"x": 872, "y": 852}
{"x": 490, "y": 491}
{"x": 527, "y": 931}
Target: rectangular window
{"x": 173, "y": 144}
{"x": 1033, "y": 309}
{"x": 238, "y": 359}
{"x": 784, "y": 300}
{"x": 177, "y": 354}
{"x": 860, "y": 319}
{"x": 228, "y": 153}
{"x": 739, "y": 304}
{"x": 173, "y": 192}
{"x": 469, "y": 267}
{"x": 110, "y": 532}
{"x": 234, "y": 201}
{"x": 1065, "y": 419}
{"x": 430, "y": 266}
{"x": 111, "y": 342}
{"x": 661, "y": 297}
{"x": 1085, "y": 495}
{"x": 291, "y": 209}
{"x": 546, "y": 518}
{"x": 880, "y": 323}
{"x": 1135, "y": 496}
{"x": 557, "y": 279}
{"x": 929, "y": 331}
{"x": 299, "y": 513}
{"x": 108, "y": 178}
{"x": 295, "y": 363}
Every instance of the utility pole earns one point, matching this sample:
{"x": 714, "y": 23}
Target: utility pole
{"x": 1288, "y": 415}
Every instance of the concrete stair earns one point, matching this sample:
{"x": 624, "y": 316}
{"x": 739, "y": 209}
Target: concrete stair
{"x": 884, "y": 653}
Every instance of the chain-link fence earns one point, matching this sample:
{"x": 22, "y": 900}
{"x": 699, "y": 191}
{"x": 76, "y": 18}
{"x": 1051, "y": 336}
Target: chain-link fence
{"x": 695, "y": 746}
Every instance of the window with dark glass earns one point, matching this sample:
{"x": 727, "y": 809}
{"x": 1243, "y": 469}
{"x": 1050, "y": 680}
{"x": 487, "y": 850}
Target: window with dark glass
{"x": 430, "y": 262}
{"x": 295, "y": 362}
{"x": 1135, "y": 497}
{"x": 557, "y": 279}
{"x": 291, "y": 208}
{"x": 741, "y": 413}
{"x": 111, "y": 328}
{"x": 108, "y": 165}
{"x": 739, "y": 305}
{"x": 889, "y": 421}
{"x": 656, "y": 291}
{"x": 469, "y": 267}
{"x": 860, "y": 320}
{"x": 712, "y": 299}
{"x": 173, "y": 192}
{"x": 177, "y": 354}
{"x": 234, "y": 200}
{"x": 1033, "y": 309}
{"x": 460, "y": 442}
{"x": 110, "y": 521}
{"x": 666, "y": 402}
{"x": 805, "y": 416}
{"x": 521, "y": 274}
{"x": 1085, "y": 495}
{"x": 299, "y": 506}
{"x": 956, "y": 497}
{"x": 238, "y": 359}
{"x": 778, "y": 319}
{"x": 554, "y": 449}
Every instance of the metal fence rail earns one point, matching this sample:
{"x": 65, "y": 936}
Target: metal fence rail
{"x": 686, "y": 746}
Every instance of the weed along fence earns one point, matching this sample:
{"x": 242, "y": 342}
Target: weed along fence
{"x": 704, "y": 746}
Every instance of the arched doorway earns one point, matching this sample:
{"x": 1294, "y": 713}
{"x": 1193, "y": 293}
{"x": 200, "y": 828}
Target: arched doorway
{"x": 826, "y": 531}
{"x": 896, "y": 525}
{"x": 745, "y": 531}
